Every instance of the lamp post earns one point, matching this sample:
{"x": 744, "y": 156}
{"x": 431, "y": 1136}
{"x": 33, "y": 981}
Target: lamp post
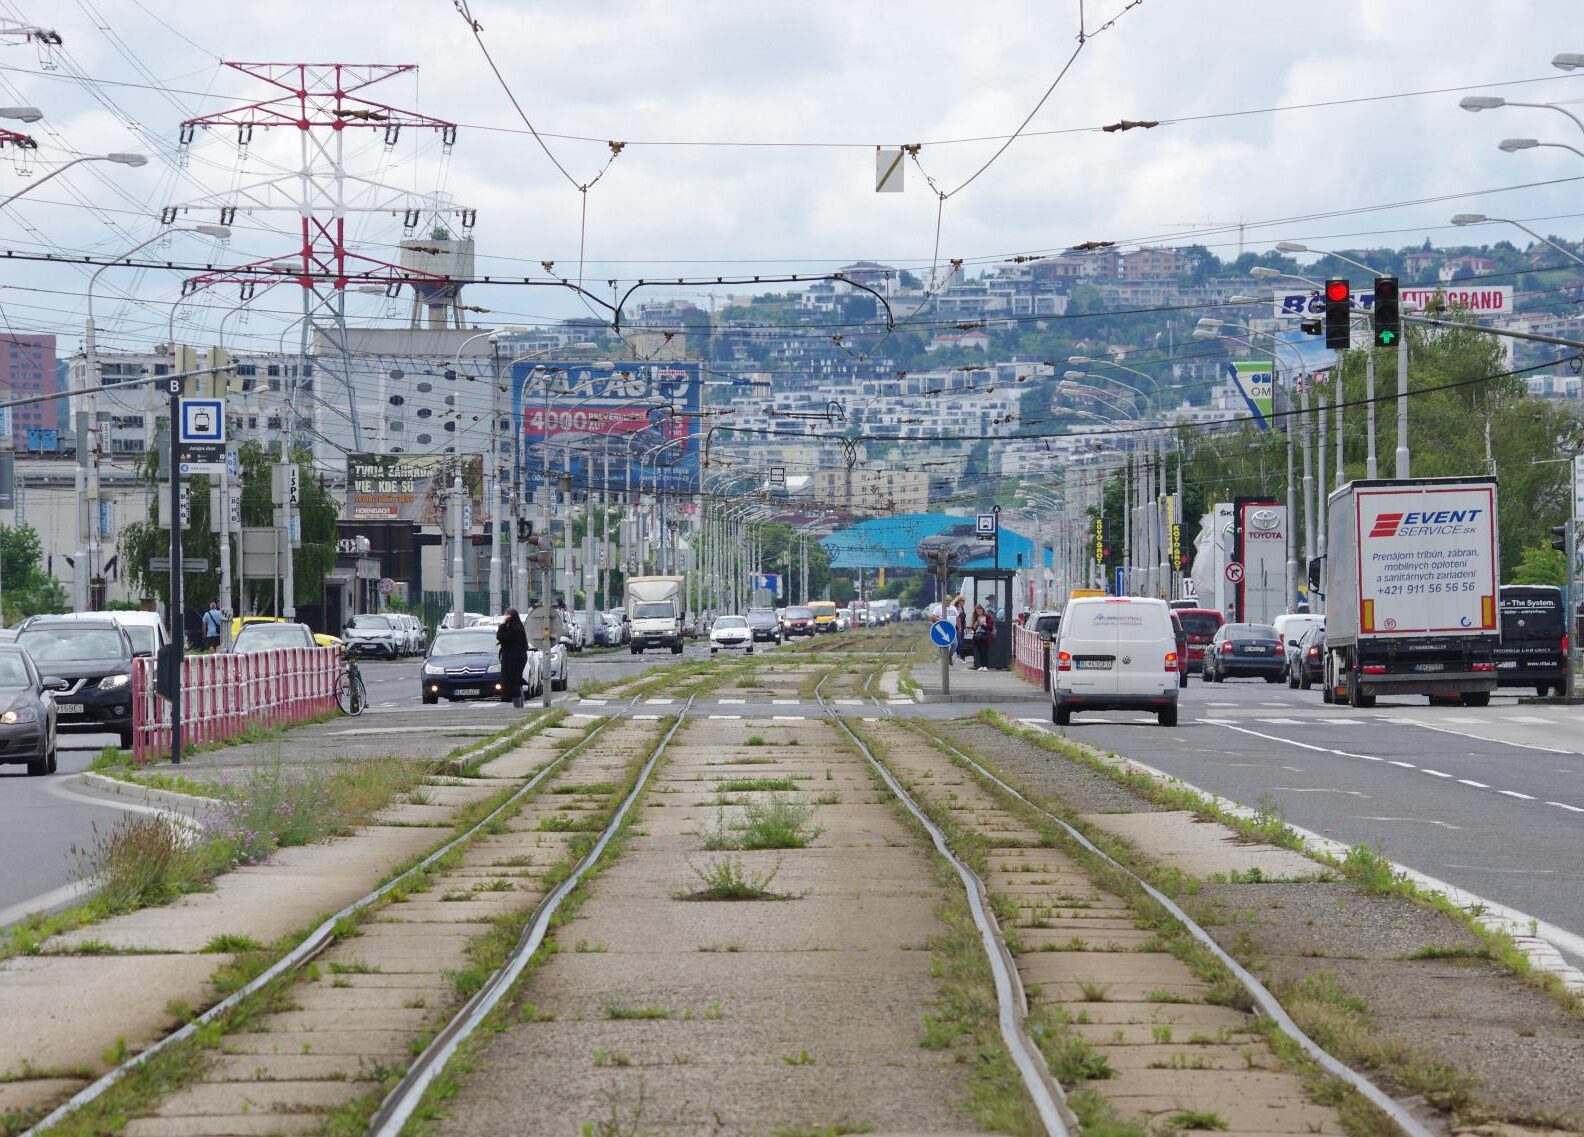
{"x": 118, "y": 159}
{"x": 1464, "y": 219}
{"x": 1476, "y": 103}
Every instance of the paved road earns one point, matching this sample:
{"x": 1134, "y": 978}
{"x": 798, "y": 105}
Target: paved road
{"x": 42, "y": 819}
{"x": 1490, "y": 800}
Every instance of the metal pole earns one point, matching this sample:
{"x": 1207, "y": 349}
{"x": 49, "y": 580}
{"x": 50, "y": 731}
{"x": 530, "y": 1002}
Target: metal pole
{"x": 225, "y": 554}
{"x": 1292, "y": 510}
{"x": 178, "y": 633}
{"x": 1341, "y": 458}
{"x": 1371, "y": 470}
{"x": 1402, "y": 455}
{"x": 1307, "y": 443}
{"x": 497, "y": 514}
{"x": 457, "y": 537}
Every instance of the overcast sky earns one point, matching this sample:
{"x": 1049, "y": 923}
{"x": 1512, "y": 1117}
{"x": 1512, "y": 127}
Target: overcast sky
{"x": 813, "y": 73}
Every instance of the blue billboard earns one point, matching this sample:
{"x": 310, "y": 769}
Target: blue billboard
{"x": 629, "y": 424}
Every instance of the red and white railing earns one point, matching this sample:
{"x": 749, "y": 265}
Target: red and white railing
{"x": 1028, "y": 654}
{"x": 223, "y": 695}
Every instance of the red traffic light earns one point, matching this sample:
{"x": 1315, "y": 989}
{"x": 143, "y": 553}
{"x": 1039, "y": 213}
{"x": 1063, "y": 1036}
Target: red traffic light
{"x": 1338, "y": 291}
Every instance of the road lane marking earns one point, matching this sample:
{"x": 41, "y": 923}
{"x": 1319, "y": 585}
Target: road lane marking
{"x": 1318, "y": 790}
{"x": 658, "y": 702}
{"x": 733, "y": 702}
{"x": 1566, "y": 806}
{"x": 1404, "y": 765}
{"x": 1516, "y": 794}
{"x": 1434, "y": 773}
{"x": 1472, "y": 782}
{"x": 1532, "y": 720}
{"x": 1284, "y": 722}
{"x": 593, "y": 702}
{"x": 1418, "y": 820}
{"x": 1486, "y": 738}
{"x": 725, "y": 716}
{"x": 785, "y": 702}
{"x": 786, "y": 718}
{"x": 648, "y": 718}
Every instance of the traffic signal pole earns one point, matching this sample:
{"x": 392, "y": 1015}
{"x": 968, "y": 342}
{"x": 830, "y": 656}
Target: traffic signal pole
{"x": 178, "y": 632}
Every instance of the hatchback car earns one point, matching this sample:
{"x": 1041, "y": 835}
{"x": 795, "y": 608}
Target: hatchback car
{"x": 797, "y": 621}
{"x": 732, "y": 633}
{"x": 269, "y": 636}
{"x": 464, "y": 663}
{"x": 1307, "y": 666}
{"x": 27, "y": 724}
{"x": 1246, "y": 651}
{"x": 1290, "y": 627}
{"x": 763, "y": 624}
{"x": 1115, "y": 653}
{"x": 1200, "y": 626}
{"x": 95, "y": 659}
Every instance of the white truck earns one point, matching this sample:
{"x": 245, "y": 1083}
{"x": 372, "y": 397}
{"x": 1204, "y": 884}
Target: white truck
{"x": 655, "y": 612}
{"x": 1411, "y": 591}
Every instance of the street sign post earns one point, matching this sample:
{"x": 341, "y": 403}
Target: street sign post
{"x": 1234, "y": 572}
{"x": 943, "y": 634}
{"x": 201, "y": 436}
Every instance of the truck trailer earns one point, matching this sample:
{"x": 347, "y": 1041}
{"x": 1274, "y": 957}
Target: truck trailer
{"x": 1411, "y": 590}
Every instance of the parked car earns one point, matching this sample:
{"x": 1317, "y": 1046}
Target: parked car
{"x": 1290, "y": 627}
{"x": 731, "y": 632}
{"x": 464, "y": 663}
{"x": 1044, "y": 624}
{"x": 95, "y": 659}
{"x": 413, "y": 637}
{"x": 370, "y": 634}
{"x": 449, "y": 620}
{"x": 763, "y": 624}
{"x": 611, "y": 628}
{"x": 1201, "y": 625}
{"x": 1308, "y": 664}
{"x": 552, "y": 664}
{"x": 1243, "y": 650}
{"x": 268, "y": 635}
{"x": 577, "y": 631}
{"x": 27, "y": 724}
{"x": 1534, "y": 644}
{"x": 797, "y": 621}
{"x": 1115, "y": 653}
{"x": 321, "y": 639}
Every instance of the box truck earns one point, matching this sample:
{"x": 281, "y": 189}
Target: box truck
{"x": 1411, "y": 589}
{"x": 654, "y": 612}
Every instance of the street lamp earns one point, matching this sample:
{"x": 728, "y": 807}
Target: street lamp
{"x": 1465, "y": 219}
{"x": 118, "y": 159}
{"x": 1513, "y": 145}
{"x": 1477, "y": 103}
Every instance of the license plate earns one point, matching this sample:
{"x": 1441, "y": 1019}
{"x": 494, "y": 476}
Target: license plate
{"x": 69, "y": 708}
{"x": 1429, "y": 667}
{"x": 466, "y": 691}
{"x": 1256, "y": 650}
{"x": 1094, "y": 664}
{"x": 1508, "y": 665}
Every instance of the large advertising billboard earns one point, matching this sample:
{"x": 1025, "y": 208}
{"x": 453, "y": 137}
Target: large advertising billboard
{"x": 410, "y": 487}
{"x": 1254, "y": 380}
{"x": 1258, "y": 570}
{"x": 628, "y": 424}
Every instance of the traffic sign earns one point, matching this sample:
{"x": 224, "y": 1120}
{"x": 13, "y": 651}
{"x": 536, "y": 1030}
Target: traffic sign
{"x": 943, "y": 633}
{"x": 191, "y": 566}
{"x": 201, "y": 436}
{"x": 387, "y": 586}
{"x": 985, "y": 526}
{"x": 1234, "y": 572}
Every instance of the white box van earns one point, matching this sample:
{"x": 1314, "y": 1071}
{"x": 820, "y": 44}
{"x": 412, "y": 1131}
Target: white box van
{"x": 1115, "y": 653}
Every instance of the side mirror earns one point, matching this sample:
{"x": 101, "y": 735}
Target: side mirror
{"x": 54, "y": 683}
{"x": 1045, "y": 637}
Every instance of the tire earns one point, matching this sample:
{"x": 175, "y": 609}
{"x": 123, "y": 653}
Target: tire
{"x": 1542, "y": 691}
{"x": 676, "y": 649}
{"x": 1273, "y": 678}
{"x": 1475, "y": 698}
{"x": 38, "y": 767}
{"x": 1327, "y": 695}
{"x": 1182, "y": 679}
{"x": 126, "y": 739}
{"x": 1167, "y": 715}
{"x": 714, "y": 650}
{"x": 637, "y": 651}
{"x": 431, "y": 700}
{"x": 750, "y": 649}
{"x": 1356, "y": 696}
{"x": 1305, "y": 683}
{"x": 1292, "y": 681}
{"x": 54, "y": 755}
{"x": 1062, "y": 716}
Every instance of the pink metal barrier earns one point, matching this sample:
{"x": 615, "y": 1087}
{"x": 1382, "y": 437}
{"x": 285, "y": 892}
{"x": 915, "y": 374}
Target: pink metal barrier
{"x": 1028, "y": 654}
{"x": 222, "y": 695}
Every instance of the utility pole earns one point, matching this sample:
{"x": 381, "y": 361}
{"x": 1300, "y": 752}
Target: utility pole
{"x": 178, "y": 638}
{"x": 497, "y": 512}
{"x": 456, "y": 549}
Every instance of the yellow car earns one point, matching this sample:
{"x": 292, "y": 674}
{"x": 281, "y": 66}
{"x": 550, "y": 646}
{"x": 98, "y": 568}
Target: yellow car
{"x": 824, "y": 615}
{"x": 320, "y": 638}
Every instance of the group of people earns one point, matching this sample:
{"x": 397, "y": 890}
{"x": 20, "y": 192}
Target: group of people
{"x": 975, "y": 632}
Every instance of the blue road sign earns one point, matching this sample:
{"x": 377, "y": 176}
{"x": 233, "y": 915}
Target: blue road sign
{"x": 202, "y": 421}
{"x": 943, "y": 633}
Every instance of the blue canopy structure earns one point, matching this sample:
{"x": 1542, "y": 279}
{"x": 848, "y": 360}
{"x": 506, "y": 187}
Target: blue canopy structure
{"x": 892, "y": 543}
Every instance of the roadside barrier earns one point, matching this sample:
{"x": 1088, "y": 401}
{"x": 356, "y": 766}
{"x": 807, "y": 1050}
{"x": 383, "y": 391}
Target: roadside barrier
{"x": 1030, "y": 655}
{"x": 223, "y": 695}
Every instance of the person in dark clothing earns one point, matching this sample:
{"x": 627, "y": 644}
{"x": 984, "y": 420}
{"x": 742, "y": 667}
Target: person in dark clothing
{"x": 512, "y": 639}
{"x": 192, "y": 627}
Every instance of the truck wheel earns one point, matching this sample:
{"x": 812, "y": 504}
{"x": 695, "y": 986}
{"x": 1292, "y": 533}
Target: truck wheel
{"x": 1292, "y": 681}
{"x": 1476, "y": 698}
{"x": 1356, "y": 696}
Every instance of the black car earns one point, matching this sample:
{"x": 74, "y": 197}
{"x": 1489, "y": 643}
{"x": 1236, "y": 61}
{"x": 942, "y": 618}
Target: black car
{"x": 764, "y": 625}
{"x": 95, "y": 659}
{"x": 1308, "y": 665}
{"x": 27, "y": 724}
{"x": 463, "y": 663}
{"x": 1248, "y": 650}
{"x": 1534, "y": 646}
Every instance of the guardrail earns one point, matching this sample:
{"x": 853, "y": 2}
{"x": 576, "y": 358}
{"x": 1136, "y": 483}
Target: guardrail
{"x": 223, "y": 695}
{"x": 1029, "y": 654}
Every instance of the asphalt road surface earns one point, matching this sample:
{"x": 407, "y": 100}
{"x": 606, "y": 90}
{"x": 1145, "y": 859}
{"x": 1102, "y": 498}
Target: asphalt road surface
{"x": 1488, "y": 799}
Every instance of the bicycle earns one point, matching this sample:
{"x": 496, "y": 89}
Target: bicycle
{"x": 350, "y": 694}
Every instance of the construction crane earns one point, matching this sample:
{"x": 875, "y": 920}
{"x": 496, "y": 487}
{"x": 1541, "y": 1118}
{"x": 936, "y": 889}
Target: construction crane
{"x": 1240, "y": 224}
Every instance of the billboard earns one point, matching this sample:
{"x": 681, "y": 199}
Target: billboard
{"x": 1258, "y": 569}
{"x": 1254, "y": 381}
{"x": 410, "y": 487}
{"x": 630, "y": 423}
{"x": 1487, "y": 299}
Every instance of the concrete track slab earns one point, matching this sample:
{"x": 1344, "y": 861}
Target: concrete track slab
{"x": 1178, "y": 839}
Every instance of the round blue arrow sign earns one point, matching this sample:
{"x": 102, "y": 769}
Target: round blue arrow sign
{"x": 943, "y": 633}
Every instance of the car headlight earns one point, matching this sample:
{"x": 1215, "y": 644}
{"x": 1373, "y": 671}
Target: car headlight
{"x": 20, "y": 714}
{"x": 111, "y": 682}
{"x": 433, "y": 669}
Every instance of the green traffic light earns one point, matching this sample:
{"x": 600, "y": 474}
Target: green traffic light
{"x": 1385, "y": 336}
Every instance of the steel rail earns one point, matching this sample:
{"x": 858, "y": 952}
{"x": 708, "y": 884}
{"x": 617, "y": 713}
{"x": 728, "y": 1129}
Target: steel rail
{"x": 400, "y": 1103}
{"x": 1267, "y": 1003}
{"x": 1012, "y": 1002}
{"x": 321, "y": 937}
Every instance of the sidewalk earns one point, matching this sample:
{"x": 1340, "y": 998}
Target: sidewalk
{"x": 969, "y": 686}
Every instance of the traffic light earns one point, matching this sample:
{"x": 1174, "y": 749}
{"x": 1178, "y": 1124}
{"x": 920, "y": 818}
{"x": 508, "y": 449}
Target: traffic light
{"x": 1559, "y": 538}
{"x": 1388, "y": 312}
{"x": 1338, "y": 310}
{"x": 1311, "y": 327}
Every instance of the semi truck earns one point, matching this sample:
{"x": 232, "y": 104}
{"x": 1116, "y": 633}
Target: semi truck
{"x": 654, "y": 612}
{"x": 1411, "y": 591}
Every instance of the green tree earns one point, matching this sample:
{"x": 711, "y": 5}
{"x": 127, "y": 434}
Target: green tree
{"x": 1541, "y": 565}
{"x": 28, "y": 589}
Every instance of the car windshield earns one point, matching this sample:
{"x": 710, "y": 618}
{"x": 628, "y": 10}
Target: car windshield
{"x": 72, "y": 645}
{"x": 13, "y": 672}
{"x": 370, "y": 624}
{"x": 467, "y": 640}
{"x": 1199, "y": 623}
{"x": 654, "y": 610}
{"x": 142, "y": 636}
{"x": 265, "y": 637}
{"x": 799, "y": 614}
{"x": 731, "y": 622}
{"x": 1250, "y": 632}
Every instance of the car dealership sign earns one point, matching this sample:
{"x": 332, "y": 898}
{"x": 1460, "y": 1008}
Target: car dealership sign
{"x": 1486, "y": 299}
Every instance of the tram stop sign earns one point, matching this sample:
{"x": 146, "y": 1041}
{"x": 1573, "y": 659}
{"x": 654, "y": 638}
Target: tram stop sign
{"x": 943, "y": 633}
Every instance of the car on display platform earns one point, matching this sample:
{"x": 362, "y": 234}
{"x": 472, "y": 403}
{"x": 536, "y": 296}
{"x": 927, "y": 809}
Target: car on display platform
{"x": 1115, "y": 653}
{"x": 764, "y": 625}
{"x": 28, "y": 722}
{"x": 1244, "y": 651}
{"x": 956, "y": 544}
{"x": 797, "y": 621}
{"x": 1200, "y": 625}
{"x": 464, "y": 663}
{"x": 732, "y": 633}
{"x": 94, "y": 657}
{"x": 269, "y": 636}
{"x": 1307, "y": 665}
{"x": 371, "y": 634}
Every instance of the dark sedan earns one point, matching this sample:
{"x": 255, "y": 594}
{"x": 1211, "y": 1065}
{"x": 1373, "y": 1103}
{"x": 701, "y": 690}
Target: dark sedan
{"x": 27, "y": 725}
{"x": 1308, "y": 666}
{"x": 1244, "y": 650}
{"x": 95, "y": 658}
{"x": 463, "y": 663}
{"x": 764, "y": 625}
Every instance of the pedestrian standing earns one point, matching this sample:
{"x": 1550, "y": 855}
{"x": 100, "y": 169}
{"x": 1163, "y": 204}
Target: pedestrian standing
{"x": 978, "y": 633}
{"x": 960, "y": 618}
{"x": 212, "y": 621}
{"x": 512, "y": 640}
{"x": 192, "y": 627}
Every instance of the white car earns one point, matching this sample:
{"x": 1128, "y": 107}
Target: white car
{"x": 370, "y": 634}
{"x": 1115, "y": 653}
{"x": 731, "y": 632}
